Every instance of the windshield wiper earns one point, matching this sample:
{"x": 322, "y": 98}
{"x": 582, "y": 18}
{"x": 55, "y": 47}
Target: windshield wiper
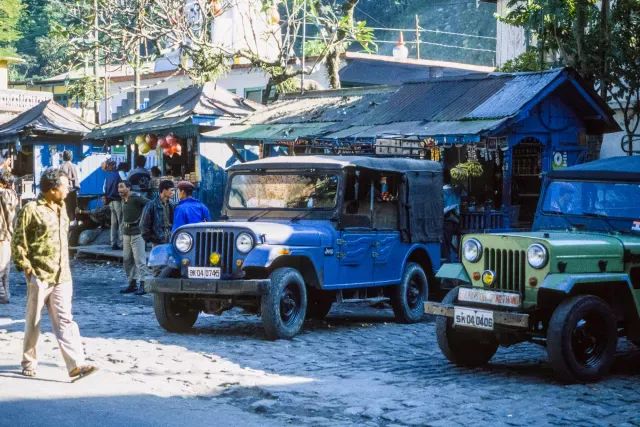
{"x": 603, "y": 218}
{"x": 571, "y": 224}
{"x": 259, "y": 215}
{"x": 301, "y": 215}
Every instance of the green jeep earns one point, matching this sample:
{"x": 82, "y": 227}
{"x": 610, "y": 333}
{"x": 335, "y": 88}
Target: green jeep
{"x": 572, "y": 284}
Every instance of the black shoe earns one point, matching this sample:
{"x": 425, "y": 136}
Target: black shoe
{"x": 140, "y": 290}
{"x": 129, "y": 289}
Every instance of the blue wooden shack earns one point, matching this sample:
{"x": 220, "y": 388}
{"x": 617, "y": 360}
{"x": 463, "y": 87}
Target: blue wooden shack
{"x": 186, "y": 113}
{"x": 516, "y": 126}
{"x": 35, "y": 140}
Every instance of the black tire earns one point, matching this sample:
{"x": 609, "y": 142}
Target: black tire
{"x": 582, "y": 339}
{"x": 171, "y": 315}
{"x": 464, "y": 348}
{"x": 284, "y": 307}
{"x": 408, "y": 298}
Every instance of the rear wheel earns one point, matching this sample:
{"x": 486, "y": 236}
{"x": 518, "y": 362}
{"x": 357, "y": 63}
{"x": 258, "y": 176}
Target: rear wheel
{"x": 284, "y": 307}
{"x": 408, "y": 298}
{"x": 173, "y": 314}
{"x": 582, "y": 339}
{"x": 463, "y": 347}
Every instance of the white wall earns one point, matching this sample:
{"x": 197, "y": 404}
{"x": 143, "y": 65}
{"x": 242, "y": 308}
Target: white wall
{"x": 510, "y": 40}
{"x": 611, "y": 141}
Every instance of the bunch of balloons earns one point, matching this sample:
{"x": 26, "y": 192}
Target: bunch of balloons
{"x": 169, "y": 144}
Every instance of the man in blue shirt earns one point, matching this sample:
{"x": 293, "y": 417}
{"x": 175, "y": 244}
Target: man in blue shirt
{"x": 189, "y": 210}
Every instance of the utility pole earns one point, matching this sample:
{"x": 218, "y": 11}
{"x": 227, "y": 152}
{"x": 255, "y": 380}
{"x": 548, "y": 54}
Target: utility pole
{"x": 304, "y": 41}
{"x": 417, "y": 37}
{"x": 96, "y": 58}
{"x": 136, "y": 76}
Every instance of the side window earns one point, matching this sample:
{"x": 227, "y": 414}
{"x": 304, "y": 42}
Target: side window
{"x": 386, "y": 211}
{"x": 356, "y": 210}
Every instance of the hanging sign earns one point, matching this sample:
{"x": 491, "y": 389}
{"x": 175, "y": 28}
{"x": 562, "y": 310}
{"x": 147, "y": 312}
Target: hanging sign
{"x": 560, "y": 159}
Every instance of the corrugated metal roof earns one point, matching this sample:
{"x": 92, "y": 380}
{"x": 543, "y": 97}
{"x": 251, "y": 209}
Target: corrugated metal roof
{"x": 280, "y": 132}
{"x": 515, "y": 94}
{"x": 208, "y": 100}
{"x": 48, "y": 117}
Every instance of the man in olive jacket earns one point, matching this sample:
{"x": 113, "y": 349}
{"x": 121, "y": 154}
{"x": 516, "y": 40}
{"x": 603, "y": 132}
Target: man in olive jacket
{"x": 134, "y": 253}
{"x": 39, "y": 248}
{"x": 8, "y": 204}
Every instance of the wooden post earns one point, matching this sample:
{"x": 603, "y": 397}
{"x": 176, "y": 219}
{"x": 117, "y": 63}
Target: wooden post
{"x": 417, "y": 37}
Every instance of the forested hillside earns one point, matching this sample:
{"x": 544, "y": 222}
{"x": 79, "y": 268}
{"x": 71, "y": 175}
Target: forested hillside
{"x": 453, "y": 16}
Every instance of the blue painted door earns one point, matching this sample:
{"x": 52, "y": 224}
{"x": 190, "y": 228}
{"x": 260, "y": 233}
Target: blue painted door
{"x": 356, "y": 256}
{"x": 387, "y": 257}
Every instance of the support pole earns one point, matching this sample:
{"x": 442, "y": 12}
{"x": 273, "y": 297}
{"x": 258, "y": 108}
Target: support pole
{"x": 304, "y": 41}
{"x": 417, "y": 37}
{"x": 96, "y": 58}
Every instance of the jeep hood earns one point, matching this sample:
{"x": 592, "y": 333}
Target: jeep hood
{"x": 581, "y": 251}
{"x": 276, "y": 233}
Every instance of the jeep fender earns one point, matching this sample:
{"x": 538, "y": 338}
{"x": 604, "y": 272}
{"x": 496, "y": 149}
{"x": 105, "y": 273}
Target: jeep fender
{"x": 163, "y": 256}
{"x": 265, "y": 257}
{"x": 424, "y": 255}
{"x": 615, "y": 288}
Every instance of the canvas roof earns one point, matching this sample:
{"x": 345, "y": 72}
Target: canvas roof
{"x": 46, "y": 118}
{"x": 208, "y": 101}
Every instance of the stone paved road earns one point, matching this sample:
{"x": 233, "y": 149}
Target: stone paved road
{"x": 356, "y": 368}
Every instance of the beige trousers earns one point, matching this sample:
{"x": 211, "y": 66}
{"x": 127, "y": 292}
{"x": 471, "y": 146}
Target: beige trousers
{"x": 57, "y": 299}
{"x": 116, "y": 222}
{"x": 135, "y": 257}
{"x": 5, "y": 266}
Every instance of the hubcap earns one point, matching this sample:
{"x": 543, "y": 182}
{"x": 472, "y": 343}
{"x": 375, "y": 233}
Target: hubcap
{"x": 290, "y": 302}
{"x": 414, "y": 294}
{"x": 589, "y": 340}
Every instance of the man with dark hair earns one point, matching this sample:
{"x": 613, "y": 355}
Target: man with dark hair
{"x": 8, "y": 203}
{"x": 71, "y": 171}
{"x": 110, "y": 190}
{"x": 40, "y": 249}
{"x": 140, "y": 176}
{"x": 135, "y": 255}
{"x": 157, "y": 218}
{"x": 156, "y": 172}
{"x": 189, "y": 210}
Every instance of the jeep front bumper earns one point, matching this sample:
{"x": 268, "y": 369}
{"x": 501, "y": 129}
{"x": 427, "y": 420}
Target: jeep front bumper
{"x": 502, "y": 318}
{"x": 209, "y": 287}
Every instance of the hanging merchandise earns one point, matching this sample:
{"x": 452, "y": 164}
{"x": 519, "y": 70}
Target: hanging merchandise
{"x": 139, "y": 139}
{"x": 151, "y": 140}
{"x": 144, "y": 148}
{"x": 162, "y": 143}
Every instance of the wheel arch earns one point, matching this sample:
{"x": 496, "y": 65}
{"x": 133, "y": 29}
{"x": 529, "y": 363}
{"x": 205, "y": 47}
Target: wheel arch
{"x": 420, "y": 256}
{"x": 303, "y": 264}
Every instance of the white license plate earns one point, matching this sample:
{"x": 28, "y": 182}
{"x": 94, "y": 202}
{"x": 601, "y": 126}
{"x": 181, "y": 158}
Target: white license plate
{"x": 203, "y": 273}
{"x": 472, "y": 318}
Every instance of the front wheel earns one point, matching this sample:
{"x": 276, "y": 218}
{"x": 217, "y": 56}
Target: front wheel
{"x": 172, "y": 314}
{"x": 284, "y": 306}
{"x": 408, "y": 298}
{"x": 582, "y": 339}
{"x": 463, "y": 347}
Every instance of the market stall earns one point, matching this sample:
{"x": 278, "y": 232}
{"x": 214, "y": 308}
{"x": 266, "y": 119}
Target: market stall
{"x": 168, "y": 134}
{"x": 35, "y": 140}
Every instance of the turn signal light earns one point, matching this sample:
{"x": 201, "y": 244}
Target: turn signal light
{"x": 285, "y": 251}
{"x": 185, "y": 261}
{"x": 214, "y": 258}
{"x": 533, "y": 281}
{"x": 239, "y": 263}
{"x": 476, "y": 275}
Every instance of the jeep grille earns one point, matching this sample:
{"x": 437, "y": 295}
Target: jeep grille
{"x": 222, "y": 242}
{"x": 509, "y": 266}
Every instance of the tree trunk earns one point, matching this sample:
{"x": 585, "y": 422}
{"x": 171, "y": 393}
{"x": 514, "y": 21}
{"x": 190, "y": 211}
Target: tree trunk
{"x": 604, "y": 34}
{"x": 136, "y": 78}
{"x": 267, "y": 91}
{"x": 333, "y": 67}
{"x": 580, "y": 26}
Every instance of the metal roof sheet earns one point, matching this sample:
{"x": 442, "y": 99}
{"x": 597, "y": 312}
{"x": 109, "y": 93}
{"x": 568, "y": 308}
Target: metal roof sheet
{"x": 48, "y": 117}
{"x": 281, "y": 132}
{"x": 179, "y": 108}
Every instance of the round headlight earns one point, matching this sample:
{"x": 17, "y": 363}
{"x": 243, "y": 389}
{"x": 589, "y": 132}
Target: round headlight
{"x": 472, "y": 250}
{"x": 244, "y": 243}
{"x": 537, "y": 255}
{"x": 184, "y": 241}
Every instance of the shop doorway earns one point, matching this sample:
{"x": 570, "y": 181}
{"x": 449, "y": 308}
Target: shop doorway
{"x": 526, "y": 181}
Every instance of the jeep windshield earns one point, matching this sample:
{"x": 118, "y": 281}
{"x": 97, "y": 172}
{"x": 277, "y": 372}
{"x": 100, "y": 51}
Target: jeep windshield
{"x": 600, "y": 199}
{"x": 283, "y": 191}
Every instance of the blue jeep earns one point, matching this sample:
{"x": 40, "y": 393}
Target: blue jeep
{"x": 300, "y": 233}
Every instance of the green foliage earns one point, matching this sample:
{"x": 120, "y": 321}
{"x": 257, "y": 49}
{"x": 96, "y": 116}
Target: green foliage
{"x": 10, "y": 13}
{"x": 207, "y": 65}
{"x": 526, "y": 61}
{"x": 85, "y": 89}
